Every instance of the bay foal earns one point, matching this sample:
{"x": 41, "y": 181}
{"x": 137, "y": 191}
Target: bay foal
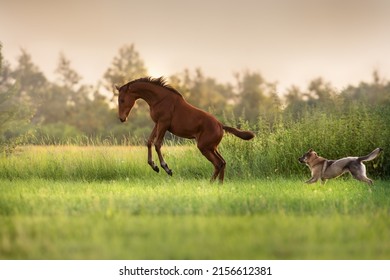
{"x": 170, "y": 112}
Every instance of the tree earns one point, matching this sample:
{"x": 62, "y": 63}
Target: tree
{"x": 64, "y": 100}
{"x": 203, "y": 92}
{"x": 295, "y": 103}
{"x": 319, "y": 96}
{"x": 13, "y": 118}
{"x": 30, "y": 81}
{"x": 321, "y": 93}
{"x": 72, "y": 106}
{"x": 125, "y": 67}
{"x": 255, "y": 97}
{"x": 67, "y": 76}
{"x": 375, "y": 93}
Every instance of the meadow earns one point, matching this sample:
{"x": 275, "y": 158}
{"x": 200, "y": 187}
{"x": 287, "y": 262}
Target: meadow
{"x": 105, "y": 202}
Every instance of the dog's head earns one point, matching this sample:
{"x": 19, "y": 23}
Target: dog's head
{"x": 308, "y": 156}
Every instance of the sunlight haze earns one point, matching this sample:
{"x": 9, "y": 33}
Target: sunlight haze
{"x": 291, "y": 42}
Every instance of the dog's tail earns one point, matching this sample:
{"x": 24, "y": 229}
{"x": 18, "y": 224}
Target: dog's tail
{"x": 371, "y": 156}
{"x": 243, "y": 134}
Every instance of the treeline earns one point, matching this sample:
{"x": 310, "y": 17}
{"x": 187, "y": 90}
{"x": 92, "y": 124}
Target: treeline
{"x": 47, "y": 112}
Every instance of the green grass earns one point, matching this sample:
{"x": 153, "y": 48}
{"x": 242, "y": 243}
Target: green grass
{"x": 107, "y": 203}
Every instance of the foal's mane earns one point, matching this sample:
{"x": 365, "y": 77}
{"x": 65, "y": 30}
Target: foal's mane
{"x": 155, "y": 81}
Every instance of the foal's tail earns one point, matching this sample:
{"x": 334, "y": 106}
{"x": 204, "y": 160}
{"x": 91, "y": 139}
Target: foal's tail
{"x": 243, "y": 134}
{"x": 371, "y": 156}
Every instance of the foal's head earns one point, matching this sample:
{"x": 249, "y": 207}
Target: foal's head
{"x": 125, "y": 102}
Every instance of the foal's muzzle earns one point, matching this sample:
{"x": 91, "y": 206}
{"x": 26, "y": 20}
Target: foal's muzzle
{"x": 122, "y": 120}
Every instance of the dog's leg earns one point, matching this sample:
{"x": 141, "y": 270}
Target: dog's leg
{"x": 312, "y": 180}
{"x": 323, "y": 181}
{"x": 359, "y": 173}
{"x": 364, "y": 179}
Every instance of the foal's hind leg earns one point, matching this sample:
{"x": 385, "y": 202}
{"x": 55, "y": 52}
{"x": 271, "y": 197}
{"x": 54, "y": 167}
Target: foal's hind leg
{"x": 222, "y": 172}
{"x": 216, "y": 159}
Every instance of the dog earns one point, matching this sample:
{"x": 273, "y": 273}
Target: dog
{"x": 322, "y": 168}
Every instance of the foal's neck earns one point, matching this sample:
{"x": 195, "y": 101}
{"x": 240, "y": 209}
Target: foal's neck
{"x": 150, "y": 93}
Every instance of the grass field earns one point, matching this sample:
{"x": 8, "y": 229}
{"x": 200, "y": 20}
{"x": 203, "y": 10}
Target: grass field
{"x": 70, "y": 202}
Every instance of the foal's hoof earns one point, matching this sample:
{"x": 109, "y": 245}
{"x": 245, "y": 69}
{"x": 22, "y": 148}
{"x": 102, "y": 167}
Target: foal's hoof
{"x": 156, "y": 169}
{"x": 166, "y": 168}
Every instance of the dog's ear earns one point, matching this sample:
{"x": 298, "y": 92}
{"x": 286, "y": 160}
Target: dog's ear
{"x": 310, "y": 150}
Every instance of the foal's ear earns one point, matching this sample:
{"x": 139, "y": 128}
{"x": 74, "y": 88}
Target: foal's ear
{"x": 117, "y": 87}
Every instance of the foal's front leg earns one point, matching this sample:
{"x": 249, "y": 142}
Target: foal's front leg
{"x": 150, "y": 143}
{"x": 160, "y": 133}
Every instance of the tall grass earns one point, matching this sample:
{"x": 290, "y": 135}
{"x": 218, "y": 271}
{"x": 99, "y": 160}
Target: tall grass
{"x": 354, "y": 131}
{"x": 276, "y": 148}
{"x": 97, "y": 163}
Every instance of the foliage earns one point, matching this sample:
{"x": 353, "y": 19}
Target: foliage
{"x": 125, "y": 67}
{"x": 275, "y": 150}
{"x": 31, "y": 84}
{"x": 336, "y": 123}
{"x": 12, "y": 115}
{"x": 256, "y": 97}
{"x": 204, "y": 92}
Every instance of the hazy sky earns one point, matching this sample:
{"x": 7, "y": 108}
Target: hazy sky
{"x": 291, "y": 42}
